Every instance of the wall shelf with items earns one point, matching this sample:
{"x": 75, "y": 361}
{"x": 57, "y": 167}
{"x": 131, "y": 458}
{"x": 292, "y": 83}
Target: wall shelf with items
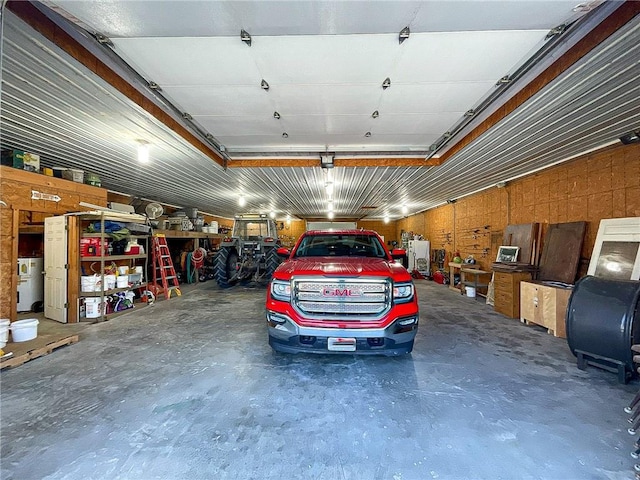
{"x": 112, "y": 265}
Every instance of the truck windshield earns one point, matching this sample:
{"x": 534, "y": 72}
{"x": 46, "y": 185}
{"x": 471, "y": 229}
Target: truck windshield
{"x": 340, "y": 245}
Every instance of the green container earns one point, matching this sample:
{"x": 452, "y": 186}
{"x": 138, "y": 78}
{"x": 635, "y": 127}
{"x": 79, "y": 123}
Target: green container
{"x": 92, "y": 179}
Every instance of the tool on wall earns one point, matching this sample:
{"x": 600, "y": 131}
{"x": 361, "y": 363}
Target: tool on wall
{"x": 163, "y": 270}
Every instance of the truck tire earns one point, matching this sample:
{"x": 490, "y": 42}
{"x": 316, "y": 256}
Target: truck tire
{"x": 272, "y": 260}
{"x": 225, "y": 267}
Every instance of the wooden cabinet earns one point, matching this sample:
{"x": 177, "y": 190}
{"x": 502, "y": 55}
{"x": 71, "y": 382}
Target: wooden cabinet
{"x": 507, "y": 292}
{"x": 545, "y": 305}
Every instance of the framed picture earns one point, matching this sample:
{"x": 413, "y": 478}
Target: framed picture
{"x": 507, "y": 253}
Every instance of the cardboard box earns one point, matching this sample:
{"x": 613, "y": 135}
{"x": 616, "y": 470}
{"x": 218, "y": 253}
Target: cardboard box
{"x": 22, "y": 160}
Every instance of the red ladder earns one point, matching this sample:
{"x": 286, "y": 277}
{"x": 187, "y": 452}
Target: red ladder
{"x": 163, "y": 267}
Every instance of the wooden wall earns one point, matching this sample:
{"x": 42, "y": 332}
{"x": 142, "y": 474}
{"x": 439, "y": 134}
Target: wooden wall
{"x": 22, "y": 212}
{"x": 603, "y": 184}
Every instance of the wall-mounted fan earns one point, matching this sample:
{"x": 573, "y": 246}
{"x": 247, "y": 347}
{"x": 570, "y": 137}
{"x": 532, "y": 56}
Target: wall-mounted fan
{"x": 153, "y": 210}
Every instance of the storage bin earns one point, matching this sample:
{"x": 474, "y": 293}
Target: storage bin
{"x": 73, "y": 174}
{"x": 122, "y": 281}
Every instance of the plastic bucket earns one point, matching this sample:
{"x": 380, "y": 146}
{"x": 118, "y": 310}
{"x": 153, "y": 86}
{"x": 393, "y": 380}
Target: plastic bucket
{"x": 93, "y": 307}
{"x": 471, "y": 291}
{"x": 24, "y": 330}
{"x": 109, "y": 282}
{"x": 90, "y": 283}
{"x": 4, "y": 331}
{"x": 123, "y": 281}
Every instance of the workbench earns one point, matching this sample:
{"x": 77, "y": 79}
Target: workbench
{"x": 476, "y": 281}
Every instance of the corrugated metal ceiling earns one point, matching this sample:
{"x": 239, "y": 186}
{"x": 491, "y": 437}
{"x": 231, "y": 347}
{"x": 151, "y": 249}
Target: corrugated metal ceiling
{"x": 53, "y": 105}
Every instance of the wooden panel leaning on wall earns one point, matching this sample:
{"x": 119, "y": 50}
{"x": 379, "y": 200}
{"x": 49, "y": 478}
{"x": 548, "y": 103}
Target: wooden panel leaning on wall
{"x": 17, "y": 189}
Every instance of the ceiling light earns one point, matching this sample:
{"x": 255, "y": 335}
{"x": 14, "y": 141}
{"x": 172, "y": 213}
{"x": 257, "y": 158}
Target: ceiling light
{"x": 404, "y": 34}
{"x": 386, "y": 219}
{"x": 368, "y": 134}
{"x": 264, "y": 85}
{"x": 288, "y": 219}
{"x": 242, "y": 201}
{"x": 272, "y": 214}
{"x": 375, "y": 114}
{"x": 329, "y": 188}
{"x": 154, "y": 86}
{"x": 285, "y": 135}
{"x": 330, "y": 215}
{"x": 470, "y": 113}
{"x": 245, "y": 37}
{"x": 187, "y": 116}
{"x": 559, "y": 30}
{"x": 143, "y": 152}
{"x": 631, "y": 137}
{"x": 405, "y": 209}
{"x": 276, "y": 115}
{"x": 386, "y": 84}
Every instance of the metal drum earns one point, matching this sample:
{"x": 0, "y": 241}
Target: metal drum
{"x": 602, "y": 324}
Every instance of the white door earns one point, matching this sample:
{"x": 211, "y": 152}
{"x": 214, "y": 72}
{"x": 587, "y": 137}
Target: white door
{"x": 55, "y": 268}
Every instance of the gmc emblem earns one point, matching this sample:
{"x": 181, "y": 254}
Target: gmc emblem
{"x": 337, "y": 292}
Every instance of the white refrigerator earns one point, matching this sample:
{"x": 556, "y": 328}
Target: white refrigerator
{"x": 418, "y": 253}
{"x": 30, "y": 284}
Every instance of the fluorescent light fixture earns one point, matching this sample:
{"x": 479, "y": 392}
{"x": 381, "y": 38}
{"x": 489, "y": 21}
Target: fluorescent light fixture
{"x": 386, "y": 219}
{"x": 143, "y": 152}
{"x": 242, "y": 201}
{"x": 272, "y": 214}
{"x": 330, "y": 215}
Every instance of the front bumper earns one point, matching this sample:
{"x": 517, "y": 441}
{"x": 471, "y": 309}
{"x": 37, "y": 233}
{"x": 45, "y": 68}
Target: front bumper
{"x": 287, "y": 336}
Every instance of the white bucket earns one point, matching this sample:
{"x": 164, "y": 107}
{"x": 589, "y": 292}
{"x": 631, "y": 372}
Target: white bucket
{"x": 24, "y": 330}
{"x": 93, "y": 307}
{"x": 123, "y": 281}
{"x": 4, "y": 331}
{"x": 471, "y": 291}
{"x": 213, "y": 227}
{"x": 89, "y": 283}
{"x": 109, "y": 282}
{"x": 123, "y": 270}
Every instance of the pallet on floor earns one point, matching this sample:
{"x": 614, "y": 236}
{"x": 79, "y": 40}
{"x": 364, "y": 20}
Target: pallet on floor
{"x": 38, "y": 347}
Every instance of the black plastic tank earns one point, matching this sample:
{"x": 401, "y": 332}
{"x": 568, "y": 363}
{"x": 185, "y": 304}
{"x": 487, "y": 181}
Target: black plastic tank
{"x": 602, "y": 324}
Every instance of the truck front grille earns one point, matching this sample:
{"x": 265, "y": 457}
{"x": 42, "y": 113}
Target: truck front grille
{"x": 354, "y": 299}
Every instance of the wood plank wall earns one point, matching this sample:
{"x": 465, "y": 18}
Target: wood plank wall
{"x": 16, "y": 188}
{"x": 603, "y": 184}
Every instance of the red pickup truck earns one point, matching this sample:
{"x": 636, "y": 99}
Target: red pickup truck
{"x": 341, "y": 292}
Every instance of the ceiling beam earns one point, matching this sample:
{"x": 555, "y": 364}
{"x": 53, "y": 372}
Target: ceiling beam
{"x": 620, "y": 17}
{"x": 40, "y": 22}
{"x": 338, "y": 162}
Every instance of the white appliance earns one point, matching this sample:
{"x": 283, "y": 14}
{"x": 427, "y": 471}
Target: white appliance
{"x": 418, "y": 253}
{"x": 30, "y": 283}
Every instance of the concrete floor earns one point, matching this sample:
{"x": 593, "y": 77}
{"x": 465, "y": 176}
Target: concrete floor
{"x": 189, "y": 389}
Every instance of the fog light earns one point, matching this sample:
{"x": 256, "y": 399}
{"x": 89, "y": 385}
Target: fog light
{"x": 275, "y": 319}
{"x": 407, "y": 321}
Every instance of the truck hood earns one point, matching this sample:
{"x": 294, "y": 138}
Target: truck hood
{"x": 342, "y": 266}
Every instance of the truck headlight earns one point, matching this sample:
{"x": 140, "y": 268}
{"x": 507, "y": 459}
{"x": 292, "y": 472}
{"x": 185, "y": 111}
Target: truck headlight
{"x": 281, "y": 290}
{"x": 403, "y": 292}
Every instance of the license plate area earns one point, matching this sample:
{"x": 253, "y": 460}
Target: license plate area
{"x": 341, "y": 344}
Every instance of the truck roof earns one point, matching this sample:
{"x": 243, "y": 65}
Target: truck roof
{"x": 340, "y": 232}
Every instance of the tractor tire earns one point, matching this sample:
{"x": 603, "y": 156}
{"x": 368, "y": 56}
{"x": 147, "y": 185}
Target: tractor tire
{"x": 225, "y": 267}
{"x": 272, "y": 260}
